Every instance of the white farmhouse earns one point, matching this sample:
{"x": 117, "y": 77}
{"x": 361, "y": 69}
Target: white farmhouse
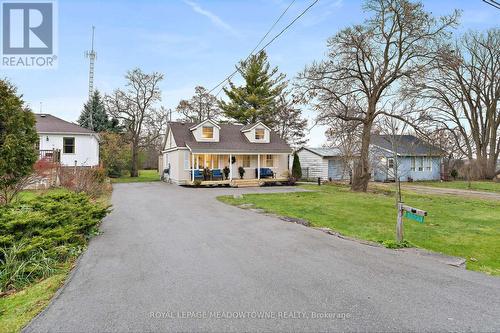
{"x": 75, "y": 145}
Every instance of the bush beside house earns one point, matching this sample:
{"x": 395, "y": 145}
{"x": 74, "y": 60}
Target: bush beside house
{"x": 296, "y": 168}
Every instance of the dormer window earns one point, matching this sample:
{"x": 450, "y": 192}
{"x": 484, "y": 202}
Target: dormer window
{"x": 259, "y": 134}
{"x": 207, "y": 132}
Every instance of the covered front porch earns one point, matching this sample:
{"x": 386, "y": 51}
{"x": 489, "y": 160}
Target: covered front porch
{"x": 237, "y": 168}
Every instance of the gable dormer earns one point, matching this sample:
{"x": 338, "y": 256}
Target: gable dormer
{"x": 206, "y": 131}
{"x": 257, "y": 133}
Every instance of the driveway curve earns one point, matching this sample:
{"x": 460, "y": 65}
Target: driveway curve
{"x": 176, "y": 259}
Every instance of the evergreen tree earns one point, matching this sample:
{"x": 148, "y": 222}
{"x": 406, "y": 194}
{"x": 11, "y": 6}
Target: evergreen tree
{"x": 99, "y": 122}
{"x": 17, "y": 142}
{"x": 256, "y": 99}
{"x": 296, "y": 168}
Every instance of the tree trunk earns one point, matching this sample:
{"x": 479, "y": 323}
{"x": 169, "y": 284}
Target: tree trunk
{"x": 361, "y": 175}
{"x": 134, "y": 167}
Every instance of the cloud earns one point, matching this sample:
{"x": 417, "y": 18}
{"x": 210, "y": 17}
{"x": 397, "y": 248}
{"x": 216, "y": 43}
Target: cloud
{"x": 211, "y": 16}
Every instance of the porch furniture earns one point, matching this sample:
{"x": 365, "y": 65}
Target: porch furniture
{"x": 217, "y": 174}
{"x": 264, "y": 173}
{"x": 198, "y": 174}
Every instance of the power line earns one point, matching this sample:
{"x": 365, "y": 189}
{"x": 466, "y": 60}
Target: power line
{"x": 256, "y": 46}
{"x": 492, "y": 3}
{"x": 270, "y": 42}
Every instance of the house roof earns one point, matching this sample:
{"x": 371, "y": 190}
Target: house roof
{"x": 231, "y": 139}
{"x": 46, "y": 123}
{"x": 406, "y": 145}
{"x": 324, "y": 151}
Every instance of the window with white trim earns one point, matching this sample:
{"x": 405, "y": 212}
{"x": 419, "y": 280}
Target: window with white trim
{"x": 428, "y": 163}
{"x": 269, "y": 161}
{"x": 207, "y": 132}
{"x": 69, "y": 145}
{"x": 413, "y": 163}
{"x": 259, "y": 134}
{"x": 420, "y": 161}
{"x": 390, "y": 163}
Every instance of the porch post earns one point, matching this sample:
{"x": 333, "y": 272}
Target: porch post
{"x": 258, "y": 166}
{"x": 230, "y": 166}
{"x": 192, "y": 167}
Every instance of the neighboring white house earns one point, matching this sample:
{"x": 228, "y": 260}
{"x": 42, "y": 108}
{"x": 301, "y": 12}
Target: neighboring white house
{"x": 76, "y": 145}
{"x": 190, "y": 148}
{"x": 324, "y": 163}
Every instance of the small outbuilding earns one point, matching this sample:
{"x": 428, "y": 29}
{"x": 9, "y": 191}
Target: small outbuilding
{"x": 324, "y": 163}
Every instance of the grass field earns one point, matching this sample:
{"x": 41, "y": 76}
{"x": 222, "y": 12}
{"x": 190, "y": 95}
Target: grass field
{"x": 489, "y": 186}
{"x": 455, "y": 226}
{"x": 144, "y": 176}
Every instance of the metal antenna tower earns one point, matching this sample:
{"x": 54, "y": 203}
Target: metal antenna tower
{"x": 92, "y": 55}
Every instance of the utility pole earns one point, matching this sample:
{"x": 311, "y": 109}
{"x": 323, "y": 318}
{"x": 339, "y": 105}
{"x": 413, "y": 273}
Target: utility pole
{"x": 92, "y": 55}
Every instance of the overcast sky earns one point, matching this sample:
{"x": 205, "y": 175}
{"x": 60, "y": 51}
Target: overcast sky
{"x": 193, "y": 43}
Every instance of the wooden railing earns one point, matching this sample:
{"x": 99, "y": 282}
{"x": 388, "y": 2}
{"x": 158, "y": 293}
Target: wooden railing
{"x": 52, "y": 155}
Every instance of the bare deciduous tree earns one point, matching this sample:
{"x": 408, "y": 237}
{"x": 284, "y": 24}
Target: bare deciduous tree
{"x": 134, "y": 107}
{"x": 367, "y": 65}
{"x": 345, "y": 136}
{"x": 464, "y": 89}
{"x": 288, "y": 122}
{"x": 201, "y": 106}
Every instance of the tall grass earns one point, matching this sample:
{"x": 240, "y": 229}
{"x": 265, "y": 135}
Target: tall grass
{"x": 18, "y": 270}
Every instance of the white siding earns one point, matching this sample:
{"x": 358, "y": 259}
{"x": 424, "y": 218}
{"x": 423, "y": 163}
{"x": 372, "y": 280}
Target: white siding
{"x": 86, "y": 148}
{"x": 317, "y": 165}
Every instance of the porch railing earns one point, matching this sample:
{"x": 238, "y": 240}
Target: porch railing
{"x": 52, "y": 155}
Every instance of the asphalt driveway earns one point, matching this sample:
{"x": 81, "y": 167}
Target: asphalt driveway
{"x": 176, "y": 259}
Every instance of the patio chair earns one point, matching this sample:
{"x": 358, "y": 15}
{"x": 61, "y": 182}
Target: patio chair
{"x": 217, "y": 174}
{"x": 264, "y": 173}
{"x": 198, "y": 174}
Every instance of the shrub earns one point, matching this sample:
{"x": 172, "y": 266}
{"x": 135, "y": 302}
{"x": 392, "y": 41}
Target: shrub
{"x": 241, "y": 171}
{"x": 86, "y": 180}
{"x": 114, "y": 153}
{"x": 454, "y": 174}
{"x": 226, "y": 172}
{"x": 392, "y": 244}
{"x": 296, "y": 168}
{"x": 52, "y": 227}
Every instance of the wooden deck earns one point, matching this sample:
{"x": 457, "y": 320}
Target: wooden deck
{"x": 241, "y": 182}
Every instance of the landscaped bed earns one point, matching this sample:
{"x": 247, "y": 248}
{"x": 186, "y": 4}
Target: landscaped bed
{"x": 41, "y": 235}
{"x": 455, "y": 226}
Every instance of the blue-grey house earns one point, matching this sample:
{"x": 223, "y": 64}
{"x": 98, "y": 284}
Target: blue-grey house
{"x": 406, "y": 156}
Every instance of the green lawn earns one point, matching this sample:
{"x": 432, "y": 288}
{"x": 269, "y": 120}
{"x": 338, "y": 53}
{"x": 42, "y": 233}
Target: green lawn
{"x": 144, "y": 176}
{"x": 18, "y": 309}
{"x": 456, "y": 226}
{"x": 489, "y": 186}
